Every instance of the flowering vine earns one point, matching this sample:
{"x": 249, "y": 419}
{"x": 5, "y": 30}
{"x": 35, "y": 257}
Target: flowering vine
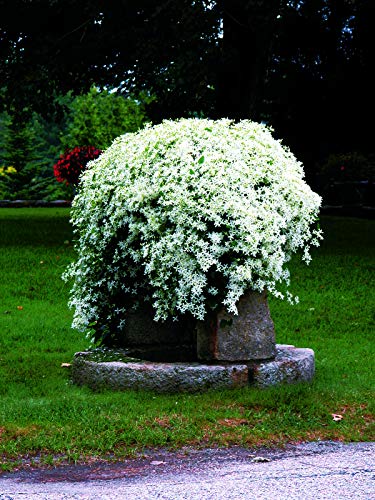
{"x": 187, "y": 215}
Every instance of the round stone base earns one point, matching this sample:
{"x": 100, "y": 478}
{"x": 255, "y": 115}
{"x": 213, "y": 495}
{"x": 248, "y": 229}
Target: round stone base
{"x": 290, "y": 365}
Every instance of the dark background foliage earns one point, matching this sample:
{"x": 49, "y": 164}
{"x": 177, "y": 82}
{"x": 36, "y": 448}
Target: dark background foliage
{"x": 302, "y": 66}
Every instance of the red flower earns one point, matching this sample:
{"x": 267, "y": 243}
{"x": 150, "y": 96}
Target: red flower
{"x": 73, "y": 162}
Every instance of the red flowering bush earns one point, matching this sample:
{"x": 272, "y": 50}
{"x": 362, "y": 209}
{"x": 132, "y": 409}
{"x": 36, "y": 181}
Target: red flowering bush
{"x": 73, "y": 162}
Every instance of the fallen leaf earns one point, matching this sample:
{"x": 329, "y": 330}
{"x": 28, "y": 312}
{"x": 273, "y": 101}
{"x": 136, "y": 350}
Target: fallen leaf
{"x": 158, "y": 462}
{"x": 233, "y": 422}
{"x": 336, "y": 417}
{"x": 163, "y": 422}
{"x": 260, "y": 459}
{"x": 66, "y": 365}
{"x": 19, "y": 308}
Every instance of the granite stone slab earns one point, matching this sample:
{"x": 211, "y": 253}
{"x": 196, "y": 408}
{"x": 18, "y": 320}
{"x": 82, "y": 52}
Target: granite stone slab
{"x": 250, "y": 335}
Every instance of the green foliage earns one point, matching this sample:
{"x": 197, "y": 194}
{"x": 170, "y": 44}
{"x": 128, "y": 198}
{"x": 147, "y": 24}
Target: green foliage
{"x": 19, "y": 143}
{"x": 33, "y": 144}
{"x": 42, "y": 183}
{"x": 225, "y": 58}
{"x": 7, "y": 171}
{"x": 98, "y": 117}
{"x": 4, "y": 127}
{"x": 7, "y": 175}
{"x": 41, "y": 410}
{"x": 19, "y": 150}
{"x": 30, "y": 146}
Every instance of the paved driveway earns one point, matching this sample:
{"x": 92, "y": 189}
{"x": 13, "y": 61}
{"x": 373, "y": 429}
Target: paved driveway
{"x": 309, "y": 471}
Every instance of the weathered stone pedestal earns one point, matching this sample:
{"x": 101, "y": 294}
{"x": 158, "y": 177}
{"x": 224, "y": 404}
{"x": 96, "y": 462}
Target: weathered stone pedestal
{"x": 224, "y": 351}
{"x": 248, "y": 336}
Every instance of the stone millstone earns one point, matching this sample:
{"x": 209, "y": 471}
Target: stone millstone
{"x": 290, "y": 365}
{"x": 158, "y": 377}
{"x": 248, "y": 336}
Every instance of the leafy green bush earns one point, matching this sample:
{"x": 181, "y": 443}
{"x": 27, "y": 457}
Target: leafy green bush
{"x": 34, "y": 145}
{"x": 347, "y": 179}
{"x": 6, "y": 179}
{"x": 30, "y": 147}
{"x": 98, "y": 117}
{"x": 186, "y": 215}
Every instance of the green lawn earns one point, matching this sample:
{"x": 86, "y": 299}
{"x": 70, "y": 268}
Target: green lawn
{"x": 44, "y": 419}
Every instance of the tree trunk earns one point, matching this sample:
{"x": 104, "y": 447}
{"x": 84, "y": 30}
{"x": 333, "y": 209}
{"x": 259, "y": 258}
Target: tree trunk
{"x": 248, "y": 29}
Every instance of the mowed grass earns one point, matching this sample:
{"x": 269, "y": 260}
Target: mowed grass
{"x": 44, "y": 419}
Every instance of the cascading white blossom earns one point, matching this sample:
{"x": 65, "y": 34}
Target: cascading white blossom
{"x": 188, "y": 215}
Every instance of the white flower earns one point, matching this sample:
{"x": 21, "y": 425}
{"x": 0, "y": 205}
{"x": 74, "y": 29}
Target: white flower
{"x": 184, "y": 211}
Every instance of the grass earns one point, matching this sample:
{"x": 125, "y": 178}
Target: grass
{"x": 45, "y": 420}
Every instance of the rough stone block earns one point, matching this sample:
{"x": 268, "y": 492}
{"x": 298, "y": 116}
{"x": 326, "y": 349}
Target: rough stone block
{"x": 250, "y": 335}
{"x": 290, "y": 365}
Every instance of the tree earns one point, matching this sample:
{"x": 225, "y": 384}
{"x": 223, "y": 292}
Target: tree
{"x": 97, "y": 118}
{"x": 301, "y": 65}
{"x": 29, "y": 150}
{"x": 165, "y": 48}
{"x": 245, "y": 51}
{"x": 194, "y": 55}
{"x": 318, "y": 87}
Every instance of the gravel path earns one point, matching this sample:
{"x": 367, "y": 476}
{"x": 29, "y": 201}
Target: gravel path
{"x": 323, "y": 470}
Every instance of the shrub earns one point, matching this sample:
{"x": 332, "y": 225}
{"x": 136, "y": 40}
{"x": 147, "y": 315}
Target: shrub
{"x": 73, "y": 162}
{"x": 6, "y": 179}
{"x": 98, "y": 117}
{"x": 31, "y": 146}
{"x": 351, "y": 166}
{"x": 187, "y": 215}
